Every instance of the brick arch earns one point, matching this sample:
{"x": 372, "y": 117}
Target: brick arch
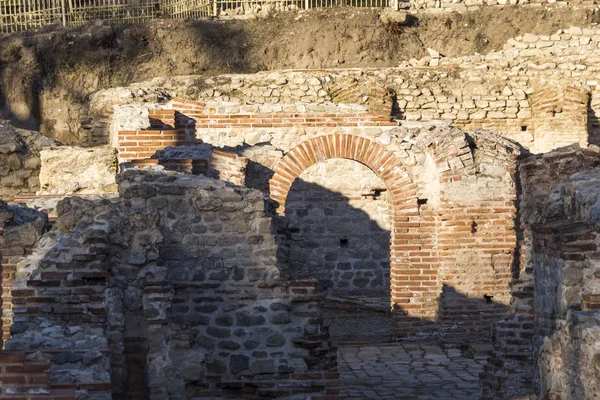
{"x": 412, "y": 278}
{"x": 388, "y": 167}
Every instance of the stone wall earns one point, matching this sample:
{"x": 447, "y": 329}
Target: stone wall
{"x": 534, "y": 290}
{"x": 568, "y": 361}
{"x": 68, "y": 170}
{"x": 539, "y": 91}
{"x": 338, "y": 230}
{"x": 171, "y": 291}
{"x": 566, "y": 272}
{"x": 20, "y": 160}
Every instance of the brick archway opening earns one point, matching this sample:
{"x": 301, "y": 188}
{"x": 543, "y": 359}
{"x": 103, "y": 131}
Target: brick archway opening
{"x": 412, "y": 272}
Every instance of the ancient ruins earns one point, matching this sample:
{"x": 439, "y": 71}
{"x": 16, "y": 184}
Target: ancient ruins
{"x": 259, "y": 220}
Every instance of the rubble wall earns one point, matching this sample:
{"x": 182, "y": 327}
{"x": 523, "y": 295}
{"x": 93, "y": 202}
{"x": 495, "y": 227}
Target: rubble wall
{"x": 20, "y": 160}
{"x": 182, "y": 271}
{"x": 540, "y": 91}
{"x": 535, "y": 306}
{"x": 566, "y": 275}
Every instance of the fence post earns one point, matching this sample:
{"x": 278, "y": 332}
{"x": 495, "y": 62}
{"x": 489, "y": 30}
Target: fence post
{"x": 214, "y": 7}
{"x": 306, "y": 4}
{"x": 63, "y": 12}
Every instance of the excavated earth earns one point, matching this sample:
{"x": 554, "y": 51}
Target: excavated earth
{"x": 55, "y": 66}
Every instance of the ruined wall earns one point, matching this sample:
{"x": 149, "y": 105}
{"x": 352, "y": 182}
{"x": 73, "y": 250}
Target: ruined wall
{"x": 539, "y": 91}
{"x": 446, "y": 170}
{"x": 512, "y": 367}
{"x": 338, "y": 229}
{"x": 20, "y": 160}
{"x": 566, "y": 278}
{"x": 68, "y": 170}
{"x": 170, "y": 292}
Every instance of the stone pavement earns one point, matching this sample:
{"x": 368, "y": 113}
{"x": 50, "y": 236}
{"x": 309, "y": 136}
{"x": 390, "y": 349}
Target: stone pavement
{"x": 398, "y": 371}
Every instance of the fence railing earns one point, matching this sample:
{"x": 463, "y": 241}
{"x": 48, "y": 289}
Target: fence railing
{"x": 20, "y": 15}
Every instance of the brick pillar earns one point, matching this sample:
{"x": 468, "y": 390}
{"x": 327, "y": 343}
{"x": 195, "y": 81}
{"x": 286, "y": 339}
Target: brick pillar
{"x": 560, "y": 117}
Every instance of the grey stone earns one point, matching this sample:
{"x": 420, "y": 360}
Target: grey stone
{"x": 262, "y": 367}
{"x": 192, "y": 367}
{"x": 229, "y": 345}
{"x": 280, "y": 318}
{"x": 360, "y": 282}
{"x": 205, "y": 342}
{"x": 251, "y": 344}
{"x": 218, "y": 332}
{"x": 238, "y": 273}
{"x": 275, "y": 340}
{"x": 280, "y": 306}
{"x": 216, "y": 367}
{"x": 245, "y": 319}
{"x": 572, "y": 276}
{"x": 90, "y": 357}
{"x": 224, "y": 320}
{"x": 239, "y": 363}
{"x": 64, "y": 358}
{"x": 220, "y": 275}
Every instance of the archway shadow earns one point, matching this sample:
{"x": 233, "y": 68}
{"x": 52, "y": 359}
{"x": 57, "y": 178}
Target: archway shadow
{"x": 343, "y": 241}
{"x": 340, "y": 238}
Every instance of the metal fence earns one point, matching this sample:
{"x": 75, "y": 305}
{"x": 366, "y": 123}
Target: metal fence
{"x": 20, "y": 15}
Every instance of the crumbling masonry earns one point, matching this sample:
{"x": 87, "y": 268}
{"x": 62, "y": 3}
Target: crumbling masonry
{"x": 218, "y": 221}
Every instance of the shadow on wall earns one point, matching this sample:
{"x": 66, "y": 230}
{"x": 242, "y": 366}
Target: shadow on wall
{"x": 462, "y": 318}
{"x": 341, "y": 238}
{"x": 343, "y": 241}
{"x": 593, "y": 125}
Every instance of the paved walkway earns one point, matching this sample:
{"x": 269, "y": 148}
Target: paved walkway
{"x": 408, "y": 371}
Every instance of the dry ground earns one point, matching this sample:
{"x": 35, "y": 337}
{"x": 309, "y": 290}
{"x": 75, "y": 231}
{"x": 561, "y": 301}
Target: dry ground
{"x": 70, "y": 64}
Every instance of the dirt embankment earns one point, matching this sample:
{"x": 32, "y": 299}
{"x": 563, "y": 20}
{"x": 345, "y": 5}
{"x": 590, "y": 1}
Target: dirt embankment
{"x": 47, "y": 76}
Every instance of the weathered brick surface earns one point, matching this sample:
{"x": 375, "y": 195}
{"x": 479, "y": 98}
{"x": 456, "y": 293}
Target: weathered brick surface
{"x": 22, "y": 379}
{"x": 430, "y": 246}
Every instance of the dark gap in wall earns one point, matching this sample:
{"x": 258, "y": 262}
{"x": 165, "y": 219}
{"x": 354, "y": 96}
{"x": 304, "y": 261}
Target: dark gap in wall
{"x": 343, "y": 242}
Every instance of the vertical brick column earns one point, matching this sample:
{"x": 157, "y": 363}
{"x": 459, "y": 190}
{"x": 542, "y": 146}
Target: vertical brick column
{"x": 560, "y": 117}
